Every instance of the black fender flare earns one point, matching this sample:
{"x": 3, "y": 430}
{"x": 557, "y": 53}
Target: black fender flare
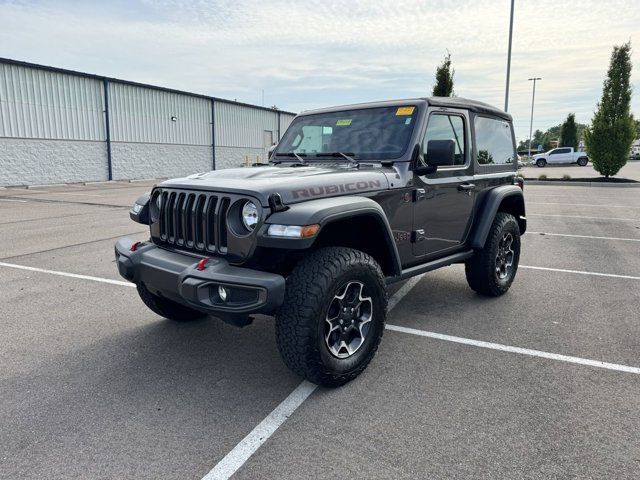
{"x": 488, "y": 209}
{"x": 323, "y": 212}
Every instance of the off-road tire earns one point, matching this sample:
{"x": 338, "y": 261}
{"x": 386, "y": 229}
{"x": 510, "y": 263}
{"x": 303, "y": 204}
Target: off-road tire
{"x": 541, "y": 162}
{"x": 300, "y": 321}
{"x": 582, "y": 161}
{"x": 167, "y": 308}
{"x": 481, "y": 268}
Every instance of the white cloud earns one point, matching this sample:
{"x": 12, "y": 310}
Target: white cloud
{"x": 307, "y": 54}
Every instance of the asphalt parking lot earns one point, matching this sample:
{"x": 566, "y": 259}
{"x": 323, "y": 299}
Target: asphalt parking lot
{"x": 94, "y": 385}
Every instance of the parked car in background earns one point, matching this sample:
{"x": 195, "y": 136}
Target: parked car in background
{"x": 635, "y": 152}
{"x": 561, "y": 155}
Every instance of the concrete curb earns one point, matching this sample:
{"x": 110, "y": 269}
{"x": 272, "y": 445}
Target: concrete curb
{"x": 582, "y": 184}
{"x": 98, "y": 182}
{"x": 142, "y": 180}
{"x": 46, "y": 185}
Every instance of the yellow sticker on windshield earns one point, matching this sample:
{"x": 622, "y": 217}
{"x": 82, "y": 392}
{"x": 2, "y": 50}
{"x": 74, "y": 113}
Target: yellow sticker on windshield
{"x": 343, "y": 123}
{"x": 405, "y": 111}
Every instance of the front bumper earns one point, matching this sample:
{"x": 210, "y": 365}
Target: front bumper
{"x": 174, "y": 275}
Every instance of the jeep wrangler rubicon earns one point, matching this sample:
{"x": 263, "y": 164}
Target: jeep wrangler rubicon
{"x": 354, "y": 198}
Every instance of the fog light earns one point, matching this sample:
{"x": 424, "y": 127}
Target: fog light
{"x": 222, "y": 293}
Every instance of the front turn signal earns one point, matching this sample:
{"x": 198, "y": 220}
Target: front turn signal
{"x": 293, "y": 231}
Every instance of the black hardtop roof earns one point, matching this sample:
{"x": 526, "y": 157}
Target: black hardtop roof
{"x": 445, "y": 102}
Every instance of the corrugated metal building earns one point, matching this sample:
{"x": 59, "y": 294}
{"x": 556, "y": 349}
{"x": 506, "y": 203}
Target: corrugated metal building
{"x": 60, "y": 126}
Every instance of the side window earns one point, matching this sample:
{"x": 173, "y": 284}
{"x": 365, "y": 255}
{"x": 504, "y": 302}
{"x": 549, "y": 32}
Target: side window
{"x": 554, "y": 152}
{"x": 494, "y": 141}
{"x": 446, "y": 127}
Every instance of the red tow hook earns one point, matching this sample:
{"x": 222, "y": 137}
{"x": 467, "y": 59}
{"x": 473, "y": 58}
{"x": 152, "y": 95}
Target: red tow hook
{"x": 135, "y": 246}
{"x": 202, "y": 264}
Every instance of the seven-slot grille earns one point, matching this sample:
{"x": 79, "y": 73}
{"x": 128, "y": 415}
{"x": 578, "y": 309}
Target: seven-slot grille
{"x": 193, "y": 220}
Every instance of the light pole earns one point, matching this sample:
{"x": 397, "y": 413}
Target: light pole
{"x": 533, "y": 99}
{"x": 506, "y": 90}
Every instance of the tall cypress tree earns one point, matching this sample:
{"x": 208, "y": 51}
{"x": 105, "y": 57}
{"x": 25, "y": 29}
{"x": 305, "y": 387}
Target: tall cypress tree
{"x": 609, "y": 137}
{"x": 444, "y": 78}
{"x": 569, "y": 132}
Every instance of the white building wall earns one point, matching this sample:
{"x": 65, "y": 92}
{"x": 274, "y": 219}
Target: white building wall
{"x": 52, "y": 129}
{"x": 38, "y": 103}
{"x": 28, "y": 161}
{"x": 158, "y": 134}
{"x": 149, "y": 160}
{"x": 234, "y": 157}
{"x": 242, "y": 126}
{"x": 143, "y": 115}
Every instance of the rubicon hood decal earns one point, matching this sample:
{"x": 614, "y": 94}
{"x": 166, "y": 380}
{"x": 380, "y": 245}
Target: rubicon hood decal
{"x": 294, "y": 184}
{"x": 325, "y": 190}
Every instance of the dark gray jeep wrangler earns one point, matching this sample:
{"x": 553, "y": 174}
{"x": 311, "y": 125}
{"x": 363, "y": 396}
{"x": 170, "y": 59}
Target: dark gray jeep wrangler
{"x": 354, "y": 199}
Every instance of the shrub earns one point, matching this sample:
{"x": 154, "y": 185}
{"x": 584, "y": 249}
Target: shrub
{"x": 542, "y": 177}
{"x": 566, "y": 177}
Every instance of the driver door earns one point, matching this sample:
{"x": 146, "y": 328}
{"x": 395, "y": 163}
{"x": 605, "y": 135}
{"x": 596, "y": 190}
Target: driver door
{"x": 443, "y": 201}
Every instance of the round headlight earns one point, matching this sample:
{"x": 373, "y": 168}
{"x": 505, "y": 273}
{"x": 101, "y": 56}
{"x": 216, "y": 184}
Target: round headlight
{"x": 249, "y": 215}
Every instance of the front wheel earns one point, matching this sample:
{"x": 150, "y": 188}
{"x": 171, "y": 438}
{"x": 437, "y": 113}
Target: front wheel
{"x": 332, "y": 319}
{"x": 491, "y": 270}
{"x": 541, "y": 162}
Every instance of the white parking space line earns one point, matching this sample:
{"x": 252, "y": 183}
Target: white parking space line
{"x": 581, "y": 204}
{"x": 581, "y": 216}
{"x": 66, "y": 274}
{"x": 254, "y": 440}
{"x": 583, "y": 236}
{"x": 12, "y": 200}
{"x": 580, "y": 272}
{"x": 521, "y": 351}
{"x": 249, "y": 444}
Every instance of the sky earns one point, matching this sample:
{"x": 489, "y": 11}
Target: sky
{"x": 309, "y": 54}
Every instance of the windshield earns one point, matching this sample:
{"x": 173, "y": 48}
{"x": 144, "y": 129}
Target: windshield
{"x": 364, "y": 134}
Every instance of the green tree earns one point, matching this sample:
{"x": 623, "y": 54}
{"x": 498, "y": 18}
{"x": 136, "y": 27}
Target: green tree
{"x": 569, "y": 132}
{"x": 612, "y": 131}
{"x": 444, "y": 78}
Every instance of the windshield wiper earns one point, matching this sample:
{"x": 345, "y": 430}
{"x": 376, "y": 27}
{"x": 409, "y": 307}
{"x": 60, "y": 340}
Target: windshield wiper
{"x": 298, "y": 156}
{"x": 346, "y": 156}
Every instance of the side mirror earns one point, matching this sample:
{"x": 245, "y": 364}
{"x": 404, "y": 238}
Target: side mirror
{"x": 140, "y": 210}
{"x": 272, "y": 148}
{"x": 441, "y": 153}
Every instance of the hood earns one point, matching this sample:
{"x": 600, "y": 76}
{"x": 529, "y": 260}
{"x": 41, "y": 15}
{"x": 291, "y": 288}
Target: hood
{"x": 294, "y": 184}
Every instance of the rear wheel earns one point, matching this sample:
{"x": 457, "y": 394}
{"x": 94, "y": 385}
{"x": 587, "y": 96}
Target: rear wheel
{"x": 491, "y": 270}
{"x": 167, "y": 308}
{"x": 541, "y": 162}
{"x": 582, "y": 161}
{"x": 332, "y": 319}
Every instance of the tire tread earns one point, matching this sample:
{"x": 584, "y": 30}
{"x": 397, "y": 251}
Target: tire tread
{"x": 296, "y": 322}
{"x": 479, "y": 269}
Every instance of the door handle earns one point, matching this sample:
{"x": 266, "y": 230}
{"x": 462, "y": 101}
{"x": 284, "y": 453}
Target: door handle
{"x": 465, "y": 187}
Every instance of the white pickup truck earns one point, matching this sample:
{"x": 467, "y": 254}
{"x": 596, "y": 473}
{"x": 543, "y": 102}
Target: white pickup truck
{"x": 561, "y": 155}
